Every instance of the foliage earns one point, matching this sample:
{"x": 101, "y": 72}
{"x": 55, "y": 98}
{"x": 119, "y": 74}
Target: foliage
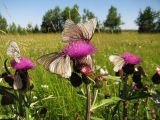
{"x": 3, "y": 24}
{"x": 13, "y": 28}
{"x": 148, "y": 20}
{"x": 87, "y": 15}
{"x": 113, "y": 20}
{"x": 67, "y": 103}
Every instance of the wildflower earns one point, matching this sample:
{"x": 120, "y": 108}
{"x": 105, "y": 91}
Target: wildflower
{"x": 125, "y": 62}
{"x": 130, "y": 58}
{"x": 44, "y": 86}
{"x": 24, "y": 63}
{"x": 79, "y": 49}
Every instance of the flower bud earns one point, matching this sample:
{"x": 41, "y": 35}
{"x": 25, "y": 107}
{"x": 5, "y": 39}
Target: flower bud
{"x": 7, "y": 99}
{"x": 99, "y": 82}
{"x": 156, "y": 78}
{"x": 128, "y": 68}
{"x": 85, "y": 69}
{"x": 75, "y": 79}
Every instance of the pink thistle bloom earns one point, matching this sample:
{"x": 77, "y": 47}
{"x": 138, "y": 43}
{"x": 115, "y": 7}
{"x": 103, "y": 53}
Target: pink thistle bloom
{"x": 78, "y": 49}
{"x": 24, "y": 63}
{"x": 131, "y": 58}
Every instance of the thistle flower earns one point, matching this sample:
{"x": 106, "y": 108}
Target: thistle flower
{"x": 24, "y": 63}
{"x": 79, "y": 49}
{"x": 125, "y": 62}
{"x": 130, "y": 58}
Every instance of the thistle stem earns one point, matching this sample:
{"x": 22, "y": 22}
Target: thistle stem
{"x": 20, "y": 102}
{"x": 88, "y": 102}
{"x": 125, "y": 94}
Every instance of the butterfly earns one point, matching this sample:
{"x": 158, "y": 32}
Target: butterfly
{"x": 80, "y": 31}
{"x": 56, "y": 63}
{"x": 117, "y": 61}
{"x": 13, "y": 51}
{"x": 59, "y": 63}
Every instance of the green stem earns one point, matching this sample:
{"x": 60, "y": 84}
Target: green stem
{"x": 88, "y": 102}
{"x": 125, "y": 94}
{"x": 20, "y": 105}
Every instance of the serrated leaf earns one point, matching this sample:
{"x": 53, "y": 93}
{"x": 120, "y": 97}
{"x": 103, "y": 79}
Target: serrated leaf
{"x": 105, "y": 102}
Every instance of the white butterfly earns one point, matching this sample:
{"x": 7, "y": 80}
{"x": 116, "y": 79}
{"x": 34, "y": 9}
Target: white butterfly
{"x": 56, "y": 63}
{"x": 13, "y": 51}
{"x": 82, "y": 31}
{"x": 117, "y": 61}
{"x": 17, "y": 84}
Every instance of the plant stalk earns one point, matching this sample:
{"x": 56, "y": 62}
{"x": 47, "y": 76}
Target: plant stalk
{"x": 88, "y": 102}
{"x": 125, "y": 94}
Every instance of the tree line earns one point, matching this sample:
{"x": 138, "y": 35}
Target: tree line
{"x": 53, "y": 20}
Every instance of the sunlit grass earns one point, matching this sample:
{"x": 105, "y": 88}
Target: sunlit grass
{"x": 66, "y": 102}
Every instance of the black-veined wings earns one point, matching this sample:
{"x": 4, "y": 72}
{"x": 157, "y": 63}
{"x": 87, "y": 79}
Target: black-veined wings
{"x": 117, "y": 61}
{"x": 56, "y": 63}
{"x": 82, "y": 31}
{"x": 13, "y": 51}
{"x": 88, "y": 28}
{"x": 17, "y": 84}
{"x": 71, "y": 31}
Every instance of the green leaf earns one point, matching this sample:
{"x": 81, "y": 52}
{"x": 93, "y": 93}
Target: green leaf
{"x": 138, "y": 95}
{"x": 105, "y": 102}
{"x": 95, "y": 118}
{"x": 117, "y": 79}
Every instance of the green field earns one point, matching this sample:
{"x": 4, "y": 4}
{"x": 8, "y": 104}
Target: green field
{"x": 66, "y": 103}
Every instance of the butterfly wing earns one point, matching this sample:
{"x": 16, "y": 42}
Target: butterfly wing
{"x": 17, "y": 84}
{"x": 13, "y": 51}
{"x": 71, "y": 31}
{"x": 117, "y": 61}
{"x": 47, "y": 59}
{"x": 82, "y": 31}
{"x": 88, "y": 28}
{"x": 61, "y": 66}
{"x": 87, "y": 60}
{"x": 56, "y": 63}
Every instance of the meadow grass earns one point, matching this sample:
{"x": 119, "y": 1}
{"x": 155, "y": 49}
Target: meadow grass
{"x": 66, "y": 103}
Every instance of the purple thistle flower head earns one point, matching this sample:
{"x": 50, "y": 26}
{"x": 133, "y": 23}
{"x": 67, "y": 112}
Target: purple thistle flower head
{"x": 78, "y": 49}
{"x": 131, "y": 58}
{"x": 24, "y": 63}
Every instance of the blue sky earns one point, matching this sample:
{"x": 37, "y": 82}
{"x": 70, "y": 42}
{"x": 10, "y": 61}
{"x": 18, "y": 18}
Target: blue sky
{"x": 31, "y": 11}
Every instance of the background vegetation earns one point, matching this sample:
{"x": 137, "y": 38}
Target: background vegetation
{"x": 54, "y": 19}
{"x": 66, "y": 102}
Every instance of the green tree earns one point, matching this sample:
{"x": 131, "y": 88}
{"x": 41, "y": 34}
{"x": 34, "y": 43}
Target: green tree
{"x": 29, "y": 28}
{"x": 158, "y": 22}
{"x": 75, "y": 16}
{"x": 21, "y": 30}
{"x": 146, "y": 20}
{"x": 52, "y": 20}
{"x": 113, "y": 20}
{"x": 3, "y": 24}
{"x": 66, "y": 13}
{"x": 36, "y": 29}
{"x": 13, "y": 28}
{"x": 87, "y": 15}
